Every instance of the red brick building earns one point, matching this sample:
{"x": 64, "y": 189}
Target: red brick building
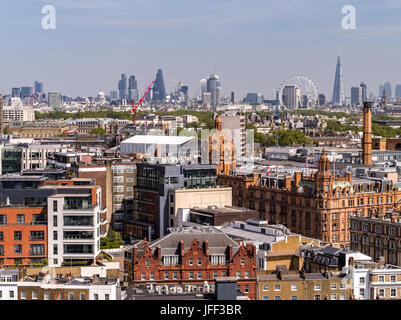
{"x": 23, "y": 235}
{"x": 191, "y": 257}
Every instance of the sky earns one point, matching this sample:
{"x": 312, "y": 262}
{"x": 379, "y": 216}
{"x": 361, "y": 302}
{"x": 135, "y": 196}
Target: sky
{"x": 253, "y": 45}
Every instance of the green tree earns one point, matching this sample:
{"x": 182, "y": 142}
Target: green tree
{"x": 97, "y": 131}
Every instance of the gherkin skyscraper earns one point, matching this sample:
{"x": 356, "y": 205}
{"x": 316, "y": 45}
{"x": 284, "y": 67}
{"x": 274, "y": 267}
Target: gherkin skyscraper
{"x": 159, "y": 90}
{"x": 338, "y": 90}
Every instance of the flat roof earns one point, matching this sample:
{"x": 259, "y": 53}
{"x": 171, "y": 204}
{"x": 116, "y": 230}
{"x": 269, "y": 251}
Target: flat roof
{"x": 150, "y": 139}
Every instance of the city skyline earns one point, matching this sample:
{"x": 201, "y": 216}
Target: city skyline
{"x": 189, "y": 42}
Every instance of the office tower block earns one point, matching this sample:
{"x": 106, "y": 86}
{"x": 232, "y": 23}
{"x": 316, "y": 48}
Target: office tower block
{"x": 26, "y": 92}
{"x": 159, "y": 90}
{"x": 132, "y": 89}
{"x": 356, "y": 95}
{"x": 213, "y": 86}
{"x": 364, "y": 92}
{"x": 203, "y": 84}
{"x": 322, "y": 99}
{"x": 232, "y": 97}
{"x": 338, "y": 89}
{"x": 38, "y": 87}
{"x": 184, "y": 90}
{"x": 291, "y": 96}
{"x": 54, "y": 99}
{"x": 254, "y": 98}
{"x": 122, "y": 87}
{"x": 16, "y": 92}
{"x": 397, "y": 91}
{"x": 387, "y": 87}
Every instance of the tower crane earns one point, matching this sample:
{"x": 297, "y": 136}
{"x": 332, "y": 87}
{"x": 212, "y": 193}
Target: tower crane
{"x": 134, "y": 108}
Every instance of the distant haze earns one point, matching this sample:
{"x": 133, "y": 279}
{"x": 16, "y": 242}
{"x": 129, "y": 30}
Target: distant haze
{"x": 253, "y": 45}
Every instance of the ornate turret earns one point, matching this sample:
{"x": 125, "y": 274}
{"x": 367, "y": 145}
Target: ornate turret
{"x": 324, "y": 163}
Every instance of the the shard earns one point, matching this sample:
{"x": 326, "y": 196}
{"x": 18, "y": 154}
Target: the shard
{"x": 338, "y": 90}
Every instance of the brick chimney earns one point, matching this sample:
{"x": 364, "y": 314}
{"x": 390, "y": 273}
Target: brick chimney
{"x": 287, "y": 182}
{"x": 206, "y": 244}
{"x": 297, "y": 177}
{"x": 230, "y": 252}
{"x": 182, "y": 247}
{"x": 134, "y": 254}
{"x": 159, "y": 253}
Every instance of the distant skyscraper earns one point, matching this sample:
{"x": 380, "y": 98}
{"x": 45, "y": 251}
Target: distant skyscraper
{"x": 159, "y": 90}
{"x": 54, "y": 99}
{"x": 398, "y": 91}
{"x": 184, "y": 90}
{"x": 16, "y": 92}
{"x": 113, "y": 95}
{"x": 338, "y": 90}
{"x": 26, "y": 92}
{"x": 291, "y": 97}
{"x": 122, "y": 87}
{"x": 232, "y": 97}
{"x": 322, "y": 99}
{"x": 356, "y": 96}
{"x": 38, "y": 87}
{"x": 203, "y": 84}
{"x": 364, "y": 92}
{"x": 214, "y": 87}
{"x": 132, "y": 89}
{"x": 387, "y": 87}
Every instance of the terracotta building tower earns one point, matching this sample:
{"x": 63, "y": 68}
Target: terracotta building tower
{"x": 367, "y": 134}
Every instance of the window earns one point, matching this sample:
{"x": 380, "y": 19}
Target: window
{"x": 152, "y": 276}
{"x": 277, "y": 298}
{"x": 317, "y": 287}
{"x": 12, "y": 294}
{"x": 34, "y": 294}
{"x": 37, "y": 235}
{"x": 277, "y": 287}
{"x": 55, "y": 249}
{"x": 18, "y": 249}
{"x": 362, "y": 292}
{"x": 71, "y": 296}
{"x": 20, "y": 218}
{"x": 246, "y": 288}
{"x": 1, "y": 236}
{"x": 342, "y": 286}
{"x": 166, "y": 274}
{"x": 106, "y": 296}
{"x": 333, "y": 296}
{"x": 393, "y": 278}
{"x": 175, "y": 275}
{"x": 242, "y": 262}
{"x": 96, "y": 296}
{"x": 147, "y": 263}
{"x": 23, "y": 294}
{"x": 294, "y": 297}
{"x": 82, "y": 296}
{"x": 317, "y": 297}
{"x": 378, "y": 229}
{"x": 362, "y": 280}
{"x": 3, "y": 219}
{"x": 1, "y": 250}
{"x": 342, "y": 296}
{"x": 215, "y": 274}
{"x": 143, "y": 276}
{"x": 246, "y": 274}
{"x": 191, "y": 275}
{"x": 199, "y": 261}
{"x": 294, "y": 287}
{"x": 365, "y": 227}
{"x": 238, "y": 274}
{"x": 191, "y": 262}
{"x": 393, "y": 293}
{"x": 265, "y": 287}
{"x": 17, "y": 235}
{"x": 54, "y": 235}
{"x": 37, "y": 249}
{"x": 265, "y": 297}
{"x": 54, "y": 221}
{"x": 381, "y": 278}
{"x": 54, "y": 206}
{"x": 46, "y": 296}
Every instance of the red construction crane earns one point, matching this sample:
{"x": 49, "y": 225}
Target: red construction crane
{"x": 135, "y": 107}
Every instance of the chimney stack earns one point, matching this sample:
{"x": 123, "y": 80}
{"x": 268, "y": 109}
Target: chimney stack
{"x": 367, "y": 134}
